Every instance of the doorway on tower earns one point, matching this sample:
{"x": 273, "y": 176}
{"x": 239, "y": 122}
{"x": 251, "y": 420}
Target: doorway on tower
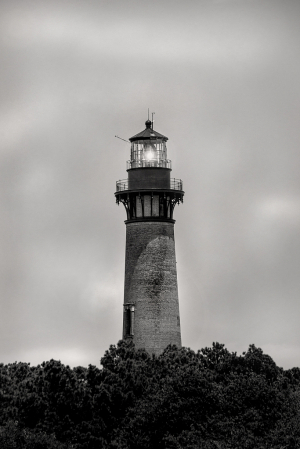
{"x": 128, "y": 321}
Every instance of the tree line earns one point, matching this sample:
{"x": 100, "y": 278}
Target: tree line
{"x": 210, "y": 399}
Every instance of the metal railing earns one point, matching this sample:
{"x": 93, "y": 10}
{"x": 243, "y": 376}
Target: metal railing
{"x": 175, "y": 184}
{"x": 162, "y": 163}
{"x": 122, "y": 185}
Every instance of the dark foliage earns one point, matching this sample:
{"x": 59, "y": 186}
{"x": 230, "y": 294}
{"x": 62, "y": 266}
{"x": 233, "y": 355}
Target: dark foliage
{"x": 206, "y": 400}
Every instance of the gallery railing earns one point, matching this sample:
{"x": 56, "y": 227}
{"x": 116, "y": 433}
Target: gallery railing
{"x": 175, "y": 184}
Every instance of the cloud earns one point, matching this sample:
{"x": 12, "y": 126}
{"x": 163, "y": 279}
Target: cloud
{"x": 28, "y": 116}
{"x": 100, "y": 294}
{"x": 73, "y": 356}
{"x": 211, "y": 38}
{"x": 279, "y": 209}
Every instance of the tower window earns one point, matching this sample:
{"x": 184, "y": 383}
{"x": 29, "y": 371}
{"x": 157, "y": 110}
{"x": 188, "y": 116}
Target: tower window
{"x": 155, "y": 206}
{"x": 128, "y": 320}
{"x": 139, "y": 209}
{"x": 147, "y": 206}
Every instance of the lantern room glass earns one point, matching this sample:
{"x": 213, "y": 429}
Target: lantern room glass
{"x": 148, "y": 152}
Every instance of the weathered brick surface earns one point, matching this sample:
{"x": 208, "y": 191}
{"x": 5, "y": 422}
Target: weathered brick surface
{"x": 151, "y": 284}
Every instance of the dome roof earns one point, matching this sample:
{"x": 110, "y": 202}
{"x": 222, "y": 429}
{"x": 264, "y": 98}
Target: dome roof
{"x": 148, "y": 133}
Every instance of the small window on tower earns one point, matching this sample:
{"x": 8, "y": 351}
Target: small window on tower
{"x": 168, "y": 207}
{"x": 139, "y": 209}
{"x": 155, "y": 206}
{"x": 161, "y": 207}
{"x": 147, "y": 205}
{"x": 128, "y": 321}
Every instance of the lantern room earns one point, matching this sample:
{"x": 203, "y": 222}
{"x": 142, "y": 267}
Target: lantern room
{"x": 148, "y": 149}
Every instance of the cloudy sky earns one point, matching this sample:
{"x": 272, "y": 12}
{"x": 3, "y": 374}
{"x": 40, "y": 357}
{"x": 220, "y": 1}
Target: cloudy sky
{"x": 222, "y": 77}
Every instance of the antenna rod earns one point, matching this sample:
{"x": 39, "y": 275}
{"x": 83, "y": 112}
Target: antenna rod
{"x": 122, "y": 139}
{"x": 152, "y": 119}
{"x": 148, "y": 113}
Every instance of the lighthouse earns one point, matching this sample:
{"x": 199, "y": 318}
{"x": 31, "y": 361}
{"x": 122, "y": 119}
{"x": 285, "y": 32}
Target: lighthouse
{"x": 151, "y": 308}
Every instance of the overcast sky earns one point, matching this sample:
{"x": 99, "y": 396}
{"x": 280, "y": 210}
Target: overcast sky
{"x": 223, "y": 80}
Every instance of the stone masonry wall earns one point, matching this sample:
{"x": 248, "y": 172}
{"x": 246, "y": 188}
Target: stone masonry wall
{"x": 151, "y": 284}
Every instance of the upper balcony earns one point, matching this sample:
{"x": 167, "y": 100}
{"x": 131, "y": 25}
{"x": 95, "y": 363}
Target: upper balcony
{"x": 175, "y": 184}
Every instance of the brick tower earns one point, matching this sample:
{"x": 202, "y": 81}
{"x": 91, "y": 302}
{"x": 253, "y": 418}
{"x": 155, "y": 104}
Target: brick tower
{"x": 151, "y": 309}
